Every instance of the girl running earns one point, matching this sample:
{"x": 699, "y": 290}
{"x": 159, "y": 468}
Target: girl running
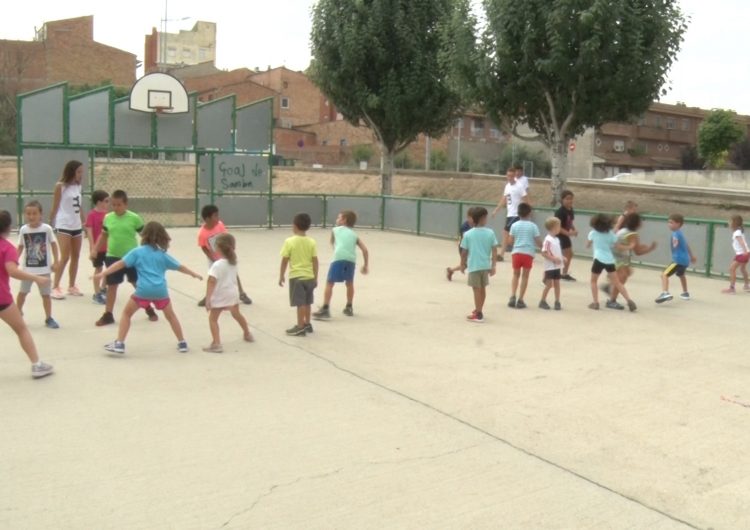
{"x": 741, "y": 254}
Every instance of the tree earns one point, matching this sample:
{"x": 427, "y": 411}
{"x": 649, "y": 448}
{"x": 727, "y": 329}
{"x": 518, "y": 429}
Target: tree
{"x": 690, "y": 159}
{"x": 740, "y": 154}
{"x": 385, "y": 64}
{"x": 718, "y": 132}
{"x": 562, "y": 66}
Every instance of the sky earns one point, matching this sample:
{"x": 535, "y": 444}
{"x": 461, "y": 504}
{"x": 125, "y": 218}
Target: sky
{"x": 712, "y": 68}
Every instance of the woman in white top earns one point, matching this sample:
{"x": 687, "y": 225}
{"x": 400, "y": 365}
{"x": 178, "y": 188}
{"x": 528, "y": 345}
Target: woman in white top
{"x": 67, "y": 218}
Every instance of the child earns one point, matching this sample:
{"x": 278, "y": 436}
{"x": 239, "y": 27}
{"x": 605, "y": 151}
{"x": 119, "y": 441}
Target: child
{"x": 479, "y": 255}
{"x": 553, "y": 260}
{"x": 629, "y": 243}
{"x": 67, "y": 218}
{"x": 209, "y": 231}
{"x": 38, "y": 239}
{"x": 301, "y": 253}
{"x": 741, "y": 254}
{"x": 524, "y": 236}
{"x": 222, "y": 292}
{"x": 604, "y": 240}
{"x": 93, "y": 226}
{"x": 682, "y": 256}
{"x": 465, "y": 227}
{"x": 9, "y": 312}
{"x": 513, "y": 195}
{"x": 345, "y": 241}
{"x": 630, "y": 207}
{"x": 119, "y": 236}
{"x": 566, "y": 215}
{"x": 151, "y": 262}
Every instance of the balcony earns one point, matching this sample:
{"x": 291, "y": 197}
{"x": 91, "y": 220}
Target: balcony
{"x": 652, "y": 133}
{"x": 617, "y": 129}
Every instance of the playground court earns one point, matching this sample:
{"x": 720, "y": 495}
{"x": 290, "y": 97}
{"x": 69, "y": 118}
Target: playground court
{"x": 403, "y": 416}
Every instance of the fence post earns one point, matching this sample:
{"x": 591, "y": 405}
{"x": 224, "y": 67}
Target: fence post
{"x": 419, "y": 217}
{"x": 325, "y": 209}
{"x": 709, "y": 248}
{"x": 382, "y": 212}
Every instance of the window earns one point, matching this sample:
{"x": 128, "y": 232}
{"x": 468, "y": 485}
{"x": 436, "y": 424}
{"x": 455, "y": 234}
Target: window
{"x": 671, "y": 123}
{"x": 202, "y": 54}
{"x": 285, "y": 84}
{"x": 171, "y": 52}
{"x": 494, "y": 132}
{"x": 342, "y": 142}
{"x": 187, "y": 53}
{"x": 324, "y": 142}
{"x": 477, "y": 127}
{"x": 284, "y": 103}
{"x": 657, "y": 122}
{"x": 685, "y": 124}
{"x": 641, "y": 120}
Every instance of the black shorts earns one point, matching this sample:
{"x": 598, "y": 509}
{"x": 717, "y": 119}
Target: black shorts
{"x": 553, "y": 274}
{"x": 117, "y": 278}
{"x": 71, "y": 233}
{"x": 3, "y": 307}
{"x": 98, "y": 261}
{"x": 565, "y": 241}
{"x": 597, "y": 267}
{"x": 510, "y": 221}
{"x": 674, "y": 268}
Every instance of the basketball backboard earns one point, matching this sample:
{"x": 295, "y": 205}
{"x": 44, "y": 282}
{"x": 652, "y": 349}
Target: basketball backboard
{"x": 159, "y": 92}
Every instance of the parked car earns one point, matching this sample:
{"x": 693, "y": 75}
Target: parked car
{"x": 620, "y": 177}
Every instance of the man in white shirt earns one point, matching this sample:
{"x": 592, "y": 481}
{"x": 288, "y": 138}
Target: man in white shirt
{"x": 513, "y": 195}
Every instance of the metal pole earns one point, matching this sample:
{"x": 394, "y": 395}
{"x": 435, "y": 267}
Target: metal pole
{"x": 427, "y": 147}
{"x": 458, "y": 146}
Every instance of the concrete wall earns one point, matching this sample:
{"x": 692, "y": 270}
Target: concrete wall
{"x": 737, "y": 180}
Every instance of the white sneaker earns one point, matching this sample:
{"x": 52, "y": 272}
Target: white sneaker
{"x": 57, "y": 294}
{"x": 685, "y": 295}
{"x": 41, "y": 370}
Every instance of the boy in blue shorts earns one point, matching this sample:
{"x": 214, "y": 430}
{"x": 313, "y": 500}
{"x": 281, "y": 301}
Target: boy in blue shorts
{"x": 525, "y": 238}
{"x": 479, "y": 255}
{"x": 345, "y": 242}
{"x": 682, "y": 257}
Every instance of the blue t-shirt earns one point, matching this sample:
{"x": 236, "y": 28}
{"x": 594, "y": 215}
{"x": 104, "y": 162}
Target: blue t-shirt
{"x": 151, "y": 264}
{"x": 524, "y": 233}
{"x": 603, "y": 243}
{"x": 479, "y": 241}
{"x": 680, "y": 254}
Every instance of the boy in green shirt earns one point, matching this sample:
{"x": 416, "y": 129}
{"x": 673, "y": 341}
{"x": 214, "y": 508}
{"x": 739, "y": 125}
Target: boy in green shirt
{"x": 301, "y": 254}
{"x": 119, "y": 235}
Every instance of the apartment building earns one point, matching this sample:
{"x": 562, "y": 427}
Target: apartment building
{"x": 63, "y": 50}
{"x": 165, "y": 51}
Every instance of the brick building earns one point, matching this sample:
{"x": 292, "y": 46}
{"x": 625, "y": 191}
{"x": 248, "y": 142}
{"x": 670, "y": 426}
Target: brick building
{"x": 64, "y": 50}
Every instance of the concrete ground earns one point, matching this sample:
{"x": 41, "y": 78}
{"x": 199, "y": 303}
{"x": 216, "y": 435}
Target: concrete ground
{"x": 404, "y": 416}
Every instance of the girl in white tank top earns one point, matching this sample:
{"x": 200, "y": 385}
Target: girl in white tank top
{"x": 67, "y": 218}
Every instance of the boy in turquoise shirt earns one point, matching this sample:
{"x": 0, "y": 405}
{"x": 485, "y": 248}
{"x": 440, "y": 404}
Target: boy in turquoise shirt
{"x": 301, "y": 254}
{"x": 345, "y": 242}
{"x": 479, "y": 255}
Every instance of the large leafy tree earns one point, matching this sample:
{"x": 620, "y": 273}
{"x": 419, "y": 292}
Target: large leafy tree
{"x": 564, "y": 65}
{"x": 717, "y": 134}
{"x": 385, "y": 64}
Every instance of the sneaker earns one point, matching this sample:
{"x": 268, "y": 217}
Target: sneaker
{"x": 475, "y": 317}
{"x": 202, "y": 303}
{"x": 41, "y": 369}
{"x": 308, "y": 328}
{"x": 449, "y": 273}
{"x": 512, "y": 301}
{"x": 520, "y": 304}
{"x": 99, "y": 298}
{"x": 57, "y": 294}
{"x": 685, "y": 295}
{"x": 248, "y": 337}
{"x": 631, "y": 306}
{"x": 152, "y": 316}
{"x": 74, "y": 291}
{"x": 728, "y": 290}
{"x": 594, "y": 306}
{"x": 182, "y": 346}
{"x": 544, "y": 305}
{"x": 663, "y": 297}
{"x": 213, "y": 348}
{"x": 567, "y": 278}
{"x": 51, "y": 323}
{"x": 612, "y": 304}
{"x": 296, "y": 331}
{"x": 105, "y": 319}
{"x": 348, "y": 311}
{"x": 322, "y": 314}
{"x": 558, "y": 307}
{"x": 115, "y": 347}
{"x": 245, "y": 299}
{"x": 606, "y": 288}
{"x": 746, "y": 288}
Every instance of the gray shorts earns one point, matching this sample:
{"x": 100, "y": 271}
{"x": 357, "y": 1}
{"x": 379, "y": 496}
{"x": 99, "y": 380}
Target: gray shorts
{"x": 479, "y": 279}
{"x": 44, "y": 290}
{"x": 301, "y": 291}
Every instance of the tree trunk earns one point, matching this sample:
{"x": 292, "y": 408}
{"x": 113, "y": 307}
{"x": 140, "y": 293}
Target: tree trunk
{"x": 386, "y": 172}
{"x": 558, "y": 155}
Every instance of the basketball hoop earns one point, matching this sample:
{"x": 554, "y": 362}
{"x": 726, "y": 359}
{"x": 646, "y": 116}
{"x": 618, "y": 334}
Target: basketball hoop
{"x": 161, "y": 110}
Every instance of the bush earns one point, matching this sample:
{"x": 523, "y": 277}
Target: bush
{"x": 362, "y": 153}
{"x": 438, "y": 160}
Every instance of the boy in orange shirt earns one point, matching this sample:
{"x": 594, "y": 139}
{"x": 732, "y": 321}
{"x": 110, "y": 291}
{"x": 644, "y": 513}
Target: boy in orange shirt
{"x": 209, "y": 231}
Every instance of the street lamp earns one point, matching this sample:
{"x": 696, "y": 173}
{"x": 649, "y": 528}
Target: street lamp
{"x": 164, "y": 23}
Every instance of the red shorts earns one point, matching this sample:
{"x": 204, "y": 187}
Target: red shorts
{"x": 741, "y": 258}
{"x": 522, "y": 261}
{"x": 143, "y": 303}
